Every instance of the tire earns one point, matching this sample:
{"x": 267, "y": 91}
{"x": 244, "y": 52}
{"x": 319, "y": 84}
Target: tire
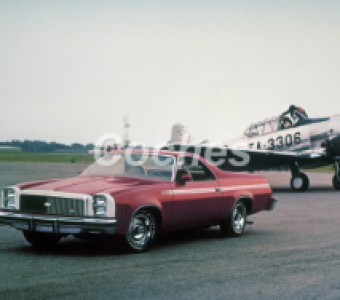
{"x": 141, "y": 233}
{"x": 336, "y": 182}
{"x": 235, "y": 224}
{"x": 299, "y": 183}
{"x": 40, "y": 239}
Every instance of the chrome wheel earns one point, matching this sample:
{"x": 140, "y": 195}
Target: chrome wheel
{"x": 235, "y": 224}
{"x": 238, "y": 217}
{"x": 142, "y": 231}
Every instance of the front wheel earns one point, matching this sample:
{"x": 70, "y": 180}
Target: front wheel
{"x": 141, "y": 233}
{"x": 336, "y": 181}
{"x": 40, "y": 239}
{"x": 235, "y": 224}
{"x": 299, "y": 183}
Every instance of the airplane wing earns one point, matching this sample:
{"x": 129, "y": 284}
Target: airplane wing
{"x": 236, "y": 160}
{"x": 323, "y": 148}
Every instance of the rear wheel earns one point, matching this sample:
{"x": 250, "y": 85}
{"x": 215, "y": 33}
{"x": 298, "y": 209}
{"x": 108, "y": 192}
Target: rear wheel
{"x": 40, "y": 239}
{"x": 336, "y": 181}
{"x": 235, "y": 224}
{"x": 141, "y": 233}
{"x": 299, "y": 183}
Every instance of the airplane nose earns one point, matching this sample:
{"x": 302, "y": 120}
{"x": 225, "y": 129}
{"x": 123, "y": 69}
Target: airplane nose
{"x": 334, "y": 125}
{"x": 333, "y": 146}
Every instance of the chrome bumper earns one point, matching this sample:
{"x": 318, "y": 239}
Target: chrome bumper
{"x": 271, "y": 204}
{"x": 58, "y": 225}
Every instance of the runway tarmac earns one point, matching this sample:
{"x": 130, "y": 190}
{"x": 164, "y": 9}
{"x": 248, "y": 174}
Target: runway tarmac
{"x": 290, "y": 253}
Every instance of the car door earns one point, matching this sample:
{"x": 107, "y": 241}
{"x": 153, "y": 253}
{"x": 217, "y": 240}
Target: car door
{"x": 197, "y": 202}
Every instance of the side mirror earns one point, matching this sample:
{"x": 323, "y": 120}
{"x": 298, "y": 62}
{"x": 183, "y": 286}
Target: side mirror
{"x": 185, "y": 178}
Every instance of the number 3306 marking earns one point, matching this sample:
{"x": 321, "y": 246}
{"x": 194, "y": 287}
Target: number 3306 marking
{"x": 288, "y": 140}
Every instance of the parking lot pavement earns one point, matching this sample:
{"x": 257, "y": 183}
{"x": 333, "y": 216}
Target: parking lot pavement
{"x": 12, "y": 173}
{"x": 290, "y": 253}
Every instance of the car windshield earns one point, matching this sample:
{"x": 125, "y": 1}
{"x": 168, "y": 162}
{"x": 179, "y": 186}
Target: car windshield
{"x": 133, "y": 165}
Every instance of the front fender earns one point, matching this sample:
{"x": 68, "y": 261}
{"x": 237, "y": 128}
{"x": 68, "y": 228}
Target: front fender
{"x": 243, "y": 194}
{"x": 125, "y": 211}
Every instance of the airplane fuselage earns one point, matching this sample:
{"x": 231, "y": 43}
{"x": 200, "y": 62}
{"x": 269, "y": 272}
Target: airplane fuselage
{"x": 276, "y": 144}
{"x": 307, "y": 137}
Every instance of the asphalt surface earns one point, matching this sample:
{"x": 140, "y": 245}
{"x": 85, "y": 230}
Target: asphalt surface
{"x": 290, "y": 253}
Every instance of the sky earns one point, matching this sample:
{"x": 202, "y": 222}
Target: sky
{"x": 70, "y": 70}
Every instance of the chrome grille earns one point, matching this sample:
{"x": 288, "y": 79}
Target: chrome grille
{"x": 65, "y": 206}
{"x": 52, "y": 205}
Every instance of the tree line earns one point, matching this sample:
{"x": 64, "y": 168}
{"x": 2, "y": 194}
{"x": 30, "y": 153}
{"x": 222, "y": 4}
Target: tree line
{"x": 42, "y": 146}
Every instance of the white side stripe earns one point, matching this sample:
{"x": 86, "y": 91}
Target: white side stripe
{"x": 241, "y": 187}
{"x": 210, "y": 190}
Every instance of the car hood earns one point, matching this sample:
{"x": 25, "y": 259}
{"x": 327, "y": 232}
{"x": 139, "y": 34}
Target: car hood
{"x": 91, "y": 185}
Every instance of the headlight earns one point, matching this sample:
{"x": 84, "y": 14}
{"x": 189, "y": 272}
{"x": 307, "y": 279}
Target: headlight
{"x": 99, "y": 206}
{"x": 8, "y": 198}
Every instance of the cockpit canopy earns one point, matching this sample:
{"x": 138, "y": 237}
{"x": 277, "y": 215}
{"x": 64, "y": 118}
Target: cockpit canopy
{"x": 263, "y": 127}
{"x": 276, "y": 123}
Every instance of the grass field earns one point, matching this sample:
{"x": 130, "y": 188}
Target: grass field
{"x": 84, "y": 159}
{"x": 326, "y": 169}
{"x": 47, "y": 157}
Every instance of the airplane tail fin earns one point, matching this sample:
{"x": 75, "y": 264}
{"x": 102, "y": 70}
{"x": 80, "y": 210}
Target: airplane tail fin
{"x": 126, "y": 131}
{"x": 180, "y": 135}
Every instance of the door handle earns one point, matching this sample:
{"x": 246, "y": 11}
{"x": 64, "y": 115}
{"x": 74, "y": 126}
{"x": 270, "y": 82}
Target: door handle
{"x": 217, "y": 189}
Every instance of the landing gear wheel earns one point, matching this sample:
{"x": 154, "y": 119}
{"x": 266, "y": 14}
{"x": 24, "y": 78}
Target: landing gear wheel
{"x": 40, "y": 239}
{"x": 336, "y": 182}
{"x": 299, "y": 183}
{"x": 141, "y": 233}
{"x": 235, "y": 224}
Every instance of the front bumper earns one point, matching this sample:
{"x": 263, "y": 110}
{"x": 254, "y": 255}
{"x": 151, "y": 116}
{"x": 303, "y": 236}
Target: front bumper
{"x": 58, "y": 225}
{"x": 271, "y": 204}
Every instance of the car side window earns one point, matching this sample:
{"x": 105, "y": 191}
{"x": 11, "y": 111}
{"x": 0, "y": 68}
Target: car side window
{"x": 198, "y": 170}
{"x": 180, "y": 173}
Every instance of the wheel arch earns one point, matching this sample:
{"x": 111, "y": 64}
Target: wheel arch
{"x": 247, "y": 201}
{"x": 155, "y": 210}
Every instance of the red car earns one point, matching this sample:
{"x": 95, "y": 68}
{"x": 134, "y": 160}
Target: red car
{"x": 136, "y": 197}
